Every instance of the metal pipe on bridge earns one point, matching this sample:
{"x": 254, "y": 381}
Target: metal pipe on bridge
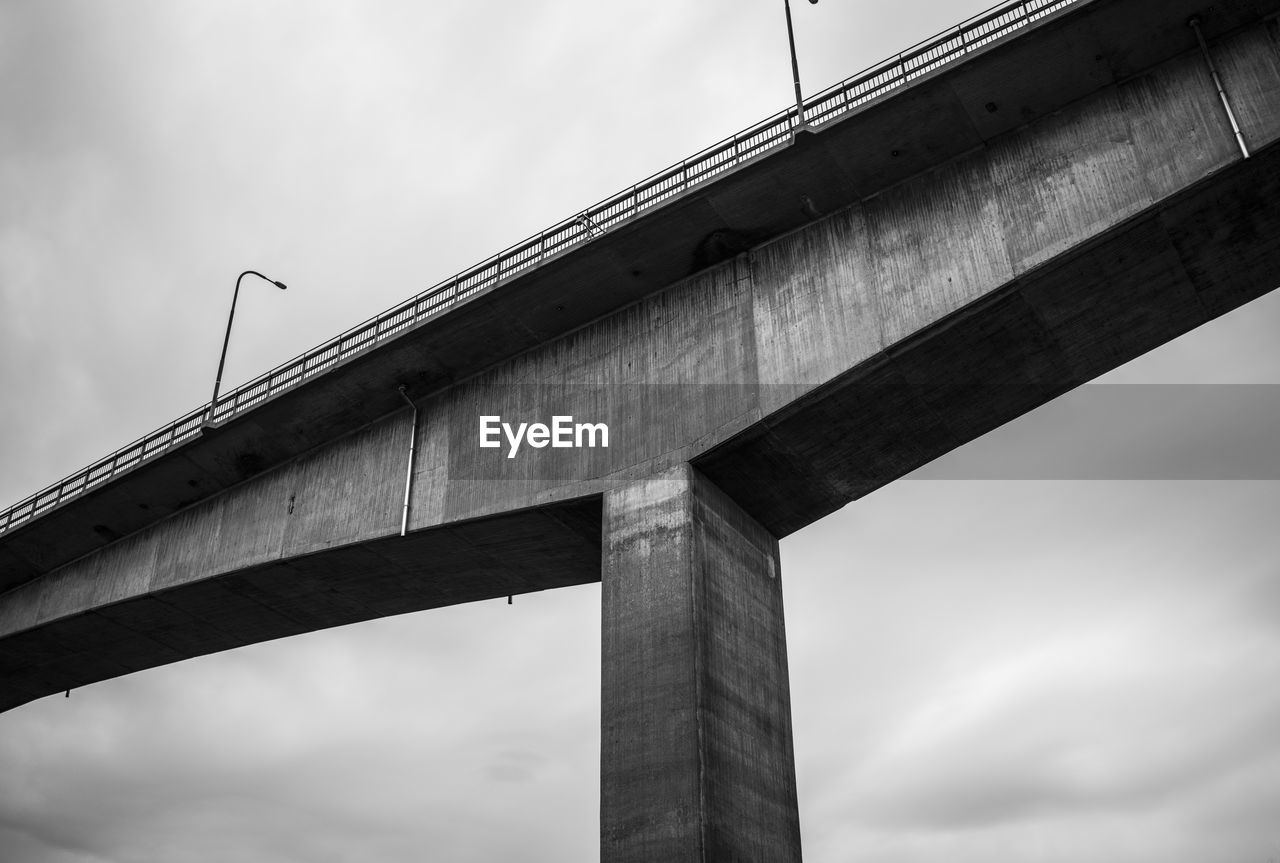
{"x": 1194, "y": 24}
{"x": 408, "y": 479}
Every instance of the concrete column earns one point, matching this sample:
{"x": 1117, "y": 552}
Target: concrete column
{"x": 696, "y": 760}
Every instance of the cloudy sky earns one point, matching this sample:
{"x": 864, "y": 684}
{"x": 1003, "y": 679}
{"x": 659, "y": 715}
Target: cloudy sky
{"x": 1058, "y": 643}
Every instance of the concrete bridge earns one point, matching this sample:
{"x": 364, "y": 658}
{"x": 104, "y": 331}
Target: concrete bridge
{"x": 769, "y": 331}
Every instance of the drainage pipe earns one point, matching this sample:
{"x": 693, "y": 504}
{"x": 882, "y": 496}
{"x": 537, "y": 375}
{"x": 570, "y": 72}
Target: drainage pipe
{"x": 1194, "y": 24}
{"x": 408, "y": 478}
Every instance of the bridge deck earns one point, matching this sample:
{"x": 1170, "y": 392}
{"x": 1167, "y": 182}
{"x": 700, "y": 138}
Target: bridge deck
{"x": 923, "y": 107}
{"x": 997, "y": 232}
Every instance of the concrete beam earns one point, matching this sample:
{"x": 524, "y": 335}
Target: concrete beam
{"x": 128, "y": 628}
{"x": 696, "y": 760}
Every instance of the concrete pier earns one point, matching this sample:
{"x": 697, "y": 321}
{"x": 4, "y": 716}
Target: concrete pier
{"x": 696, "y": 752}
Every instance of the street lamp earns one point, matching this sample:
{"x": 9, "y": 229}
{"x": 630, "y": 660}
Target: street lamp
{"x": 213, "y": 402}
{"x": 795, "y": 67}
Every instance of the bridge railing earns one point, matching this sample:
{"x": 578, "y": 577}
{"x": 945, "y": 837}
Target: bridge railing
{"x": 761, "y": 138}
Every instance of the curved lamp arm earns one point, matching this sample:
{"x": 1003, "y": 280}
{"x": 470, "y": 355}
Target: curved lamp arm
{"x": 217, "y": 382}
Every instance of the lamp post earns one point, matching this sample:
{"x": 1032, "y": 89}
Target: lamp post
{"x": 795, "y": 66}
{"x": 217, "y": 382}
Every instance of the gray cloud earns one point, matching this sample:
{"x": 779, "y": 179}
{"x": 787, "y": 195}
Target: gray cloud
{"x": 378, "y": 740}
{"x": 1091, "y": 659}
{"x": 1134, "y": 431}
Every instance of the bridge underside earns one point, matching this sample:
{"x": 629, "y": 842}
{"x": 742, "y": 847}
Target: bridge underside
{"x": 520, "y": 552}
{"x": 1157, "y": 275}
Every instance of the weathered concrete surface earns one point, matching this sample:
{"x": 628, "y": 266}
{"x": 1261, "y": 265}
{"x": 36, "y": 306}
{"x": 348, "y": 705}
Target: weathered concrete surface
{"x": 696, "y": 760}
{"x": 797, "y": 377}
{"x": 149, "y": 624}
{"x": 1157, "y": 276}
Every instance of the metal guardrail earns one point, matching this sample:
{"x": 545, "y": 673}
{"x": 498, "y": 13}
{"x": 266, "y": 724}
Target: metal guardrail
{"x": 822, "y": 108}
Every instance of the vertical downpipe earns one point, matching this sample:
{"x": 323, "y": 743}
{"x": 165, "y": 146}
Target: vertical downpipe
{"x": 1194, "y": 24}
{"x": 408, "y": 478}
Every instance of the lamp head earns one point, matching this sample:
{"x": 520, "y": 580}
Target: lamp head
{"x": 279, "y": 285}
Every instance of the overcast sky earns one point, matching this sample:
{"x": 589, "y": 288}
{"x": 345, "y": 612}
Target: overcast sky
{"x": 1056, "y": 644}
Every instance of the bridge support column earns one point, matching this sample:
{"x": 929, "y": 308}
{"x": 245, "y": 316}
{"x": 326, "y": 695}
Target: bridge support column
{"x": 696, "y": 753}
